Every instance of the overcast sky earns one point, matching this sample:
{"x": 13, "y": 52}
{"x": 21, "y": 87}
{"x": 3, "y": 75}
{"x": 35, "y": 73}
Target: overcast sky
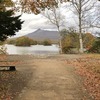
{"x": 33, "y": 22}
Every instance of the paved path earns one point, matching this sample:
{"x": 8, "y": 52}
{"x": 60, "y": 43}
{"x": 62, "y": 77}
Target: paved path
{"x": 53, "y": 79}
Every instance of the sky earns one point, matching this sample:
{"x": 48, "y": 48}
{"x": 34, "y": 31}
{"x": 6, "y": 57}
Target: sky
{"x": 33, "y": 22}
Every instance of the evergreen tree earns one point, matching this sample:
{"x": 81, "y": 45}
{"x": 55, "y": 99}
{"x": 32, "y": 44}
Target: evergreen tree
{"x": 9, "y": 24}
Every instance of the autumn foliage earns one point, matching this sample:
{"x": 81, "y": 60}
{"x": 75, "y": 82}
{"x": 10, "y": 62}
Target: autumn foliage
{"x": 88, "y": 66}
{"x": 36, "y": 6}
{"x": 24, "y": 41}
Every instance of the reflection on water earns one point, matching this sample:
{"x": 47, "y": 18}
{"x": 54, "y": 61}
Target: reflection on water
{"x": 34, "y": 49}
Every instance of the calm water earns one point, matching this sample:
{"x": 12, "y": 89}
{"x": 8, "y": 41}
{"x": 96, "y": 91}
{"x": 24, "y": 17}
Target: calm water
{"x": 34, "y": 49}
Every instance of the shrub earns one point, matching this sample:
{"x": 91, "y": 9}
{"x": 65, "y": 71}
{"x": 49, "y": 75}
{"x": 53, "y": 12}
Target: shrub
{"x": 24, "y": 41}
{"x": 33, "y": 42}
{"x": 11, "y": 41}
{"x": 66, "y": 49}
{"x": 88, "y": 40}
{"x": 95, "y": 47}
{"x": 69, "y": 41}
{"x": 1, "y": 43}
{"x": 46, "y": 42}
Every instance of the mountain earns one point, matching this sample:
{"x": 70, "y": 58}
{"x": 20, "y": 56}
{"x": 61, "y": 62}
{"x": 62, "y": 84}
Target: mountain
{"x": 41, "y": 35}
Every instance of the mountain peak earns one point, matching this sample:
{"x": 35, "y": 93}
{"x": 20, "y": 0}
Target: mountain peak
{"x": 41, "y": 35}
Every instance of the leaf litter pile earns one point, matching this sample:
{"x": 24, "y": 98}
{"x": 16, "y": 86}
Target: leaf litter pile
{"x": 88, "y": 66}
{"x": 12, "y": 82}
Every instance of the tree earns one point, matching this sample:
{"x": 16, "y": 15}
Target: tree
{"x": 25, "y": 41}
{"x": 69, "y": 40}
{"x": 96, "y": 17}
{"x": 9, "y": 24}
{"x": 36, "y": 6}
{"x": 66, "y": 43}
{"x": 5, "y": 3}
{"x": 81, "y": 9}
{"x": 56, "y": 18}
{"x": 46, "y": 42}
{"x": 88, "y": 40}
{"x": 95, "y": 47}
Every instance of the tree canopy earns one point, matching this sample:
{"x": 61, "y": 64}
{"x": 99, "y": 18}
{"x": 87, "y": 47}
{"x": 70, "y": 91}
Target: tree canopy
{"x": 70, "y": 40}
{"x": 9, "y": 24}
{"x": 36, "y": 6}
{"x": 5, "y": 3}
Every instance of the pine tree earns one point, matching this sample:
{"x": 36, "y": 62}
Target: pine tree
{"x": 9, "y": 24}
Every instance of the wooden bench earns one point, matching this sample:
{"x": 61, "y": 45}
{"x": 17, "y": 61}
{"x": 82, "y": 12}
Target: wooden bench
{"x": 7, "y": 67}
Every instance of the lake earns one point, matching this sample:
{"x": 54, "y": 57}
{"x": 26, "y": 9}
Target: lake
{"x": 34, "y": 49}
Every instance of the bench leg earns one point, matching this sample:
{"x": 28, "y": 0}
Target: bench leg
{"x": 12, "y": 68}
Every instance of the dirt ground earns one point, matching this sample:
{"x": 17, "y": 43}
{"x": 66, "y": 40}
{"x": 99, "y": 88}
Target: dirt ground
{"x": 51, "y": 79}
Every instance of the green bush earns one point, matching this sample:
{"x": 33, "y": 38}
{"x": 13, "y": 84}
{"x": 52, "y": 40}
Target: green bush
{"x": 95, "y": 47}
{"x": 88, "y": 40}
{"x": 33, "y": 42}
{"x": 11, "y": 41}
{"x": 66, "y": 49}
{"x": 1, "y": 43}
{"x": 25, "y": 41}
{"x": 69, "y": 41}
{"x": 46, "y": 42}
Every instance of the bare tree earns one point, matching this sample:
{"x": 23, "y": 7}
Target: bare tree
{"x": 56, "y": 18}
{"x": 82, "y": 8}
{"x": 38, "y": 6}
{"x": 96, "y": 17}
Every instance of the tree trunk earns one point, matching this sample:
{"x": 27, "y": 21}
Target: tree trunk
{"x": 60, "y": 45}
{"x": 81, "y": 43}
{"x": 80, "y": 27}
{"x": 60, "y": 41}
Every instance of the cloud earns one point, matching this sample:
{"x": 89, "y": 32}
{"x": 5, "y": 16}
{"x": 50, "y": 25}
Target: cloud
{"x": 33, "y": 22}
